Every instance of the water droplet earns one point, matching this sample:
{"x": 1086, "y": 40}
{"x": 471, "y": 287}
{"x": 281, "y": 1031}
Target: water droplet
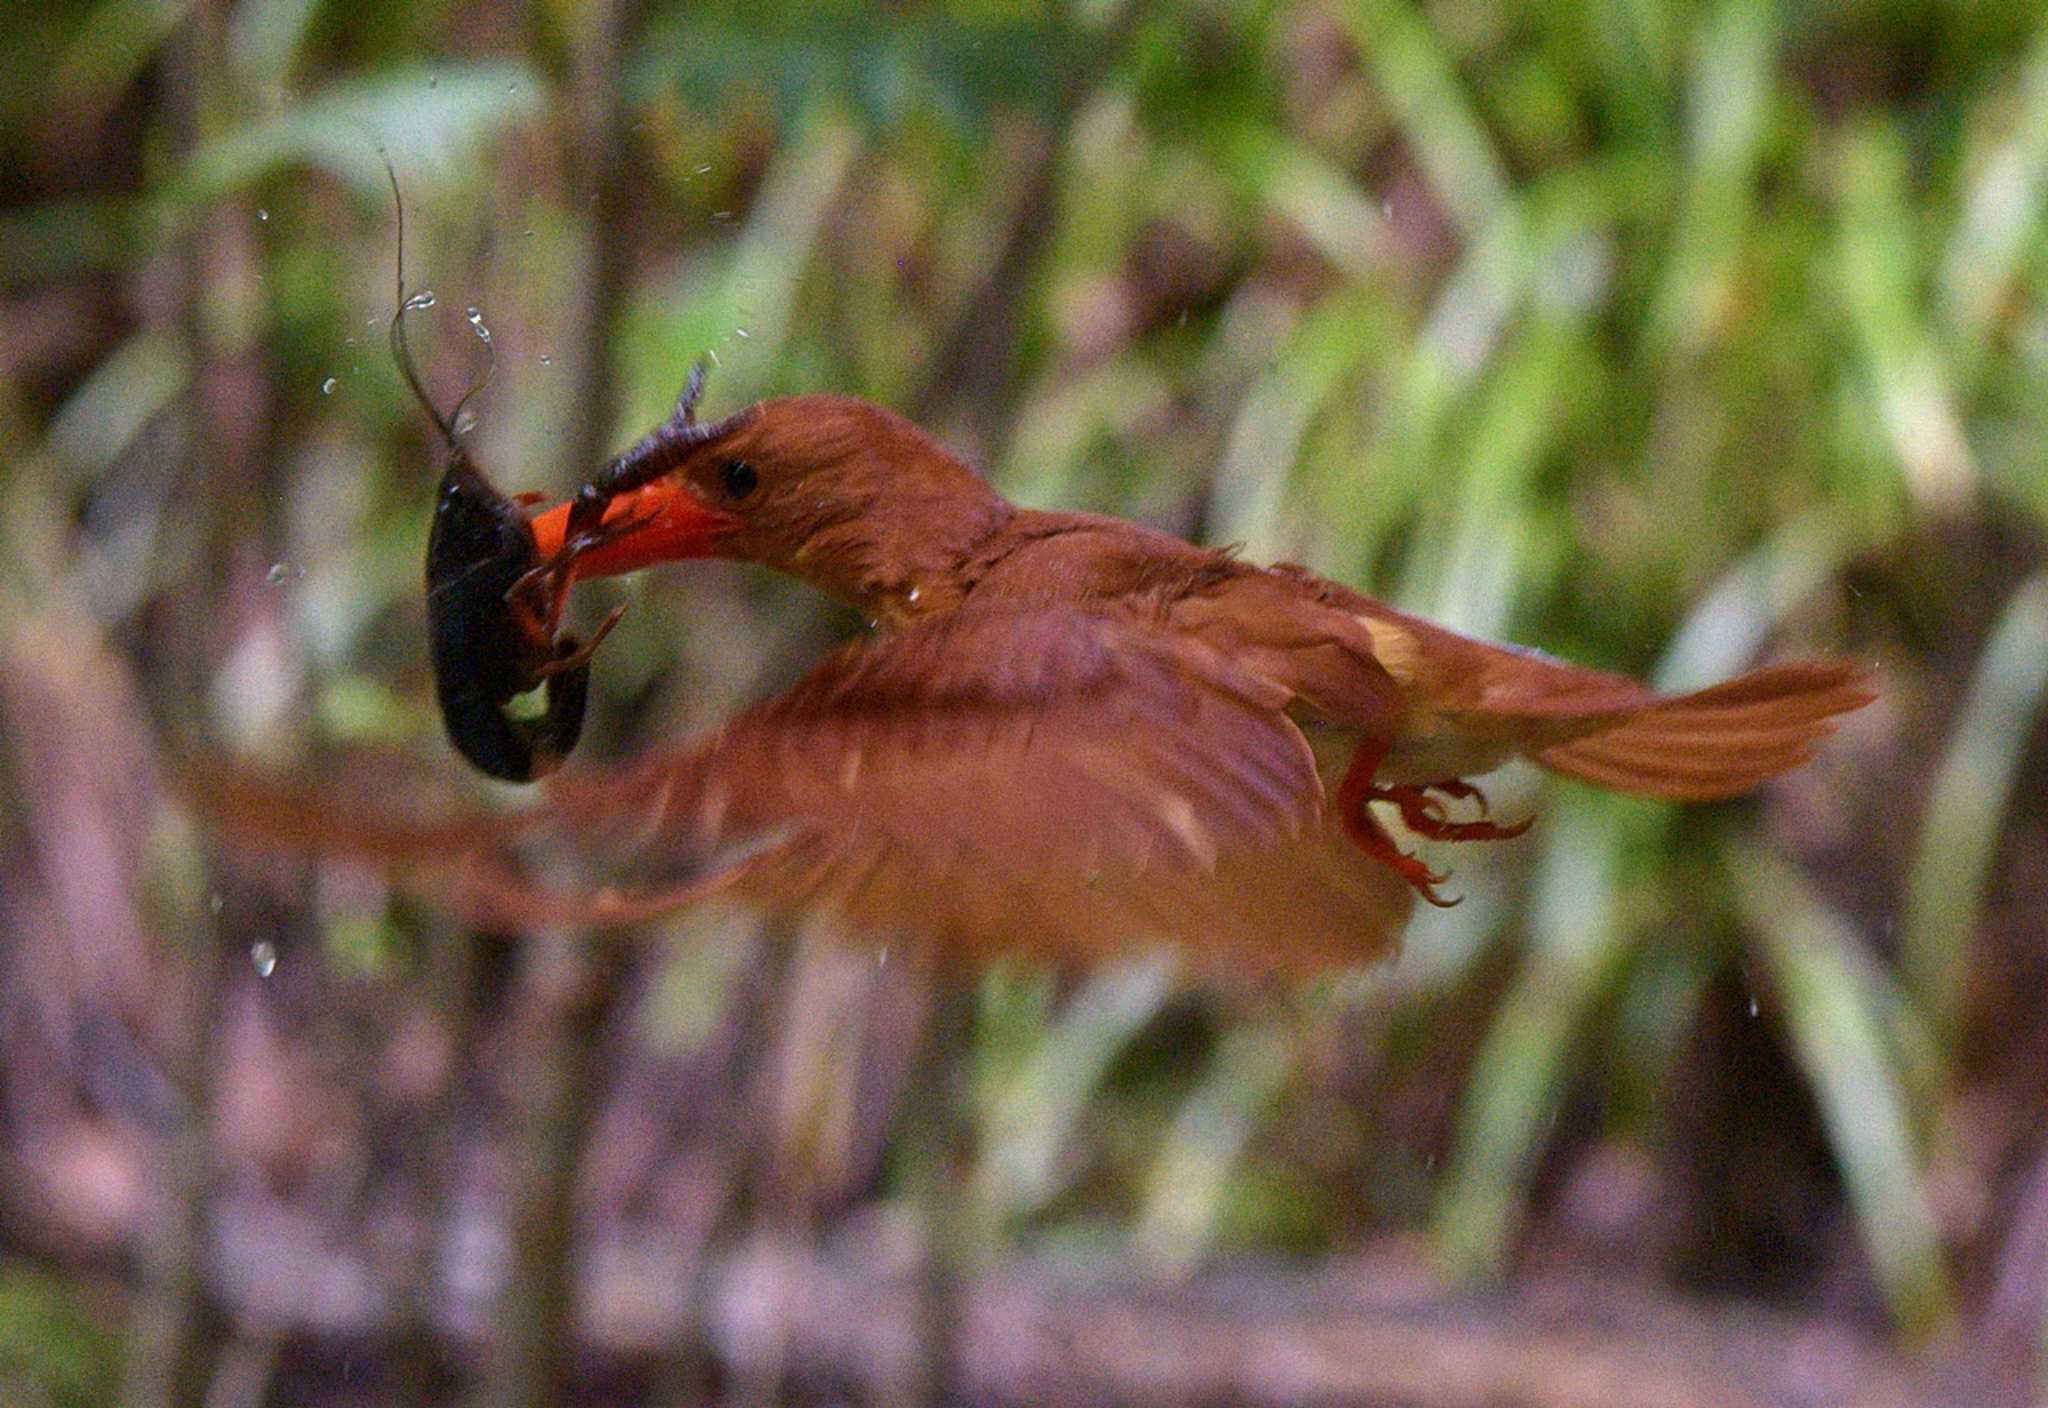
{"x": 423, "y": 299}
{"x": 263, "y": 957}
{"x": 261, "y": 213}
{"x": 476, "y": 320}
{"x": 465, "y": 422}
{"x": 327, "y": 386}
{"x": 1752, "y": 1005}
{"x": 915, "y": 593}
{"x": 275, "y": 576}
{"x": 546, "y": 360}
{"x": 741, "y": 332}
{"x": 216, "y": 902}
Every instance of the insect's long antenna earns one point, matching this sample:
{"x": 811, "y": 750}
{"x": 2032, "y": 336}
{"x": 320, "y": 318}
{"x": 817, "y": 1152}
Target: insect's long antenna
{"x": 401, "y": 351}
{"x": 490, "y": 370}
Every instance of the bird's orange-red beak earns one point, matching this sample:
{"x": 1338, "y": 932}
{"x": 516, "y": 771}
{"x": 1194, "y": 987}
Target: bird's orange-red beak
{"x": 673, "y": 524}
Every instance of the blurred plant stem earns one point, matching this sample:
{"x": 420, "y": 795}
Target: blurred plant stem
{"x": 938, "y": 1136}
{"x": 569, "y": 989}
{"x": 737, "y": 1155}
{"x": 450, "y": 993}
{"x": 224, "y": 412}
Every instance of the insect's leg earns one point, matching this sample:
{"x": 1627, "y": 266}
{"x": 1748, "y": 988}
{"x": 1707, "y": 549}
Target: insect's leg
{"x": 575, "y": 657}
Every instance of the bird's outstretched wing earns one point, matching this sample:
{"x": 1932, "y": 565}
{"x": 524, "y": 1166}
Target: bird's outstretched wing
{"x": 1007, "y": 777}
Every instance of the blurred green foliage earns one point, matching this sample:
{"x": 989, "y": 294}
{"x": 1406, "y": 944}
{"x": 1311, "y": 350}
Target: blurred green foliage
{"x": 54, "y": 1347}
{"x": 1657, "y": 334}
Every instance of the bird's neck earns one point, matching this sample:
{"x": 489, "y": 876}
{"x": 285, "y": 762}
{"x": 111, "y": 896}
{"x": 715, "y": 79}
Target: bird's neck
{"x": 907, "y": 555}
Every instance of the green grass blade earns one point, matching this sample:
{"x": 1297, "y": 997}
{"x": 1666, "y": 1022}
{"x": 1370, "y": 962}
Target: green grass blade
{"x": 129, "y": 388}
{"x": 115, "y": 44}
{"x": 1191, "y": 1179}
{"x": 1029, "y": 1123}
{"x": 1317, "y": 195}
{"x": 1879, "y": 283}
{"x": 2001, "y": 215}
{"x": 1833, "y": 1011}
{"x": 1729, "y": 627}
{"x": 1470, "y": 583}
{"x": 1968, "y": 806}
{"x": 1727, "y": 105}
{"x": 1421, "y": 84}
{"x": 265, "y": 36}
{"x": 1459, "y": 337}
{"x": 1254, "y": 484}
{"x": 424, "y": 117}
{"x": 1576, "y": 945}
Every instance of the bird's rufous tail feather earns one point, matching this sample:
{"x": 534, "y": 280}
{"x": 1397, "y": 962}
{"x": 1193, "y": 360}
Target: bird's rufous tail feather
{"x": 1719, "y": 741}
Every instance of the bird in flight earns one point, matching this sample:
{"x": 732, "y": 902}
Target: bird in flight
{"x": 1068, "y": 734}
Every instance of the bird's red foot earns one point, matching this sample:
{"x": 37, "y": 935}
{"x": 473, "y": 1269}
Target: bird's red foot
{"x": 1426, "y": 815}
{"x": 1372, "y": 838}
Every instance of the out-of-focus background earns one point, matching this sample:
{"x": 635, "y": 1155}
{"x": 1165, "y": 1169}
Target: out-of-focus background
{"x": 1665, "y": 336}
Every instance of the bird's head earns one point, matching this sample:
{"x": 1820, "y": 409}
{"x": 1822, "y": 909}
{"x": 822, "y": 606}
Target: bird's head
{"x": 838, "y": 491}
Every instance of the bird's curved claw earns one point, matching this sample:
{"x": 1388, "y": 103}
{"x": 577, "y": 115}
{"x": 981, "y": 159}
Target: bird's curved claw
{"x": 1372, "y": 838}
{"x": 1425, "y": 814}
{"x": 1428, "y": 816}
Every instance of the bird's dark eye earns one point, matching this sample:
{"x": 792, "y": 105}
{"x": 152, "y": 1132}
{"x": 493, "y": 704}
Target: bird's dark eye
{"x": 740, "y": 478}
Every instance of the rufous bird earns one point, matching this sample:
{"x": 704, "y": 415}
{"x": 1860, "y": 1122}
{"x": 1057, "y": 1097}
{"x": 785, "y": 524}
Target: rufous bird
{"x": 1070, "y": 733}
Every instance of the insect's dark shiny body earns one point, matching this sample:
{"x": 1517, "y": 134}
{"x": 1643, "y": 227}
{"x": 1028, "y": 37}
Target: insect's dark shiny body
{"x": 486, "y": 650}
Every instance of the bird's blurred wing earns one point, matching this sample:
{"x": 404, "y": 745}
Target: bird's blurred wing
{"x": 1005, "y": 778}
{"x": 1015, "y": 777}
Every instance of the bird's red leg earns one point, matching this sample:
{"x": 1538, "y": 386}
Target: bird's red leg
{"x": 1421, "y": 813}
{"x": 1354, "y": 798}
